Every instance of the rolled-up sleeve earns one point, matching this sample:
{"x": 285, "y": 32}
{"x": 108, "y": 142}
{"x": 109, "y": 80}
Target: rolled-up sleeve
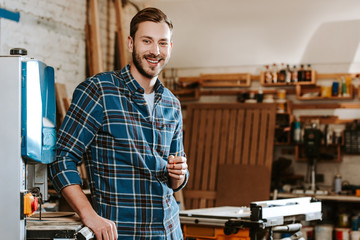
{"x": 77, "y": 131}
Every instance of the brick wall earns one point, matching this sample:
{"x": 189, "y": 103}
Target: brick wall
{"x": 51, "y": 31}
{"x": 54, "y": 32}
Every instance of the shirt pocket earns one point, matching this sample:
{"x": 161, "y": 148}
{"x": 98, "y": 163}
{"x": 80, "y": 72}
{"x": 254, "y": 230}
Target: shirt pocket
{"x": 164, "y": 133}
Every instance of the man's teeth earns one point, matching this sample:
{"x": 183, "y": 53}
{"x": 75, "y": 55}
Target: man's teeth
{"x": 152, "y": 61}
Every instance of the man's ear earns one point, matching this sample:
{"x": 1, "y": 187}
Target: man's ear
{"x": 171, "y": 45}
{"x": 130, "y": 43}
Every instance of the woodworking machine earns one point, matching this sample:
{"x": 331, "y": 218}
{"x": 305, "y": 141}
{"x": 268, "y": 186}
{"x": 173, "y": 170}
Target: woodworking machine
{"x": 27, "y": 145}
{"x": 27, "y": 141}
{"x": 261, "y": 218}
{"x": 277, "y": 216}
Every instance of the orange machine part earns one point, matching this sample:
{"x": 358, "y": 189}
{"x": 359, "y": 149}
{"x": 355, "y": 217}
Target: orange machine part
{"x": 31, "y": 204}
{"x": 208, "y": 232}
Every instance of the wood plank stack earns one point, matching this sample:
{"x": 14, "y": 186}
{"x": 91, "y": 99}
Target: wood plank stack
{"x": 93, "y": 41}
{"x": 94, "y": 47}
{"x": 120, "y": 34}
{"x": 62, "y": 102}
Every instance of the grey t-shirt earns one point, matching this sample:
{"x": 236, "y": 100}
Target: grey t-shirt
{"x": 150, "y": 101}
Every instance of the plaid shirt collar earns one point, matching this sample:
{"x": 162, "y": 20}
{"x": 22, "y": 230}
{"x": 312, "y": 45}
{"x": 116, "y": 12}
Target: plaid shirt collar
{"x": 135, "y": 88}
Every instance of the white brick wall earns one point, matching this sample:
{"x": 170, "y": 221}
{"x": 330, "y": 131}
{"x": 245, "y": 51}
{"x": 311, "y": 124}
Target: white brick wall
{"x": 54, "y": 32}
{"x": 51, "y": 31}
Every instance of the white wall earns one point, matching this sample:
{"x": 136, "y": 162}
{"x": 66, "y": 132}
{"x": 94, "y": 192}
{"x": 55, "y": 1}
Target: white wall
{"x": 212, "y": 33}
{"x": 213, "y": 36}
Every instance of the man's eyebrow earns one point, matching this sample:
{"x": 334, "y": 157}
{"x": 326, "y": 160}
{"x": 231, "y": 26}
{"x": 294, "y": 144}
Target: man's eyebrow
{"x": 145, "y": 36}
{"x": 161, "y": 39}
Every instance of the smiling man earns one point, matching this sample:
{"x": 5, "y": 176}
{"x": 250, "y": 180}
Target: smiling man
{"x": 151, "y": 47}
{"x": 127, "y": 127}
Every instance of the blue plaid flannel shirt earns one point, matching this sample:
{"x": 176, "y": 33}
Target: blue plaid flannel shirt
{"x": 125, "y": 150}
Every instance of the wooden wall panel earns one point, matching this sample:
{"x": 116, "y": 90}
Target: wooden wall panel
{"x": 218, "y": 134}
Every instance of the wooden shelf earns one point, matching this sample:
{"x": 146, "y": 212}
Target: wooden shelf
{"x": 187, "y": 94}
{"x": 281, "y": 84}
{"x": 227, "y": 92}
{"x": 325, "y": 106}
{"x": 225, "y": 80}
{"x": 319, "y": 92}
{"x": 334, "y": 75}
{"x": 188, "y": 81}
{"x": 315, "y": 92}
{"x": 331, "y": 150}
{"x": 324, "y": 119}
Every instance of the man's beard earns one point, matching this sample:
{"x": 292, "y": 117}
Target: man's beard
{"x": 138, "y": 64}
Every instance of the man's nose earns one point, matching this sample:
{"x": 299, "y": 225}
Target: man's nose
{"x": 155, "y": 49}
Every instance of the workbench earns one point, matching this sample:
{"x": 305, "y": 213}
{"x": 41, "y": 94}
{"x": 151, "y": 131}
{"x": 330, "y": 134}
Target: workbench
{"x": 260, "y": 220}
{"x": 53, "y": 225}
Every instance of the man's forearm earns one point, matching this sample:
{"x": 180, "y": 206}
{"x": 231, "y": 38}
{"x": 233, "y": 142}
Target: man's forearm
{"x": 102, "y": 228}
{"x": 77, "y": 200}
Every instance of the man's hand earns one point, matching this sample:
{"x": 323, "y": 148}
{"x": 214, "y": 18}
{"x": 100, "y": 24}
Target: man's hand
{"x": 177, "y": 169}
{"x": 103, "y": 228}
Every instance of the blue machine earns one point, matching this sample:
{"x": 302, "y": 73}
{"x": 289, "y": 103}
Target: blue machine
{"x": 38, "y": 114}
{"x": 27, "y": 140}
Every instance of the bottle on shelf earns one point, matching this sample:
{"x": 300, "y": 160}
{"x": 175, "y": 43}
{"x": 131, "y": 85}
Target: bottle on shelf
{"x": 274, "y": 73}
{"x": 260, "y": 95}
{"x": 335, "y": 89}
{"x": 297, "y": 132}
{"x": 288, "y": 74}
{"x": 282, "y": 73}
{"x": 308, "y": 73}
{"x": 337, "y": 183}
{"x": 301, "y": 73}
{"x": 344, "y": 89}
{"x": 294, "y": 74}
{"x": 268, "y": 74}
{"x": 330, "y": 136}
{"x": 348, "y": 80}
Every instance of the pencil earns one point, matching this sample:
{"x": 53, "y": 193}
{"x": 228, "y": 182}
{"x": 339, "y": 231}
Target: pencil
{"x": 175, "y": 156}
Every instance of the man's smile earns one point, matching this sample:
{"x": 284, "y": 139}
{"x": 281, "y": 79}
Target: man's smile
{"x": 153, "y": 60}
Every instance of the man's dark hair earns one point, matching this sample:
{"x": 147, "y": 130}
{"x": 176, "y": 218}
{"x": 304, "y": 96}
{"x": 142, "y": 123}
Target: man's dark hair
{"x": 151, "y": 15}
